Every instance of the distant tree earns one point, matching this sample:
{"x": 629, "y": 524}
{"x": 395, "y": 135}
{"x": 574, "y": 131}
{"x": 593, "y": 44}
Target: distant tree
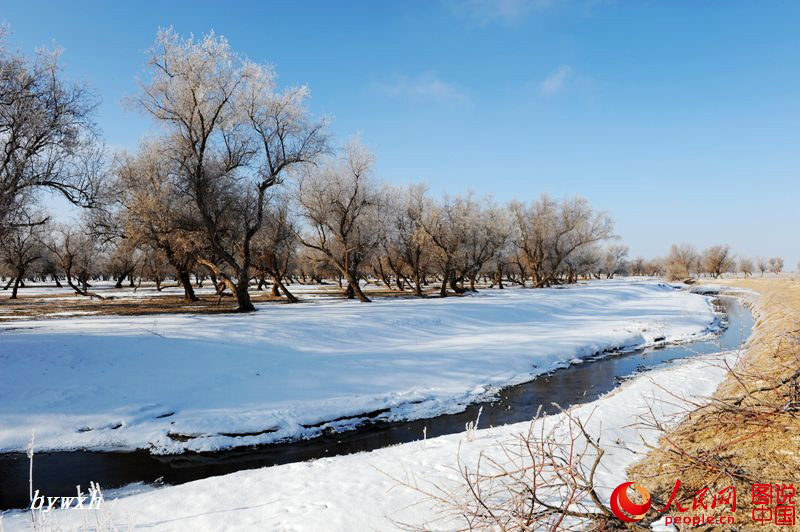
{"x": 275, "y": 246}
{"x": 547, "y": 232}
{"x": 340, "y": 204}
{"x": 717, "y": 260}
{"x": 154, "y": 266}
{"x": 762, "y": 264}
{"x": 656, "y": 267}
{"x": 406, "y": 245}
{"x": 637, "y": 266}
{"x": 681, "y": 261}
{"x": 584, "y": 262}
{"x": 489, "y": 231}
{"x": 447, "y": 225}
{"x": 150, "y": 212}
{"x": 75, "y": 251}
{"x": 746, "y": 266}
{"x": 615, "y": 260}
{"x": 20, "y": 250}
{"x": 776, "y": 265}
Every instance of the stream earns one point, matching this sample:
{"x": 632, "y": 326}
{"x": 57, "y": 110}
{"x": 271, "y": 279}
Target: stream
{"x": 57, "y": 473}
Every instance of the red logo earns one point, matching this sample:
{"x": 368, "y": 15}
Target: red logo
{"x": 632, "y": 512}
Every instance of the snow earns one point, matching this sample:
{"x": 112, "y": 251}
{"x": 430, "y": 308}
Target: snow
{"x": 362, "y": 491}
{"x": 124, "y": 382}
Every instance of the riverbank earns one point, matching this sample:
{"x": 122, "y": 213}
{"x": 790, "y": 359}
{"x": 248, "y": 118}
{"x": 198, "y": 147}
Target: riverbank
{"x": 750, "y": 432}
{"x": 369, "y": 491}
{"x": 176, "y": 383}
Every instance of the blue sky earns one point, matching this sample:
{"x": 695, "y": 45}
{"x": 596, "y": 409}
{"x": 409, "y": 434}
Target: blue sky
{"x": 681, "y": 118}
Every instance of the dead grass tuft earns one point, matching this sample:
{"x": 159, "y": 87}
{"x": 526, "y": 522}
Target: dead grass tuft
{"x": 750, "y": 431}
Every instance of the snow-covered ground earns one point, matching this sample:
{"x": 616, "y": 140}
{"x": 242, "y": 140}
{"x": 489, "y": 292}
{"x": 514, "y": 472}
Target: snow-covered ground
{"x": 132, "y": 381}
{"x": 365, "y": 491}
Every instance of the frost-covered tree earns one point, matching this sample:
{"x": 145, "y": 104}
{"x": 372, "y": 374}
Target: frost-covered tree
{"x": 637, "y": 266}
{"x": 681, "y": 261}
{"x": 547, "y": 232}
{"x": 615, "y": 258}
{"x": 47, "y": 136}
{"x": 75, "y": 251}
{"x": 20, "y": 250}
{"x": 151, "y": 212}
{"x": 717, "y": 260}
{"x": 405, "y": 244}
{"x": 340, "y": 203}
{"x": 656, "y": 267}
{"x": 762, "y": 264}
{"x": 231, "y": 137}
{"x": 776, "y": 265}
{"x": 746, "y": 266}
{"x": 276, "y": 245}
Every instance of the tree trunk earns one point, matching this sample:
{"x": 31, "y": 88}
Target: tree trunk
{"x": 16, "y": 285}
{"x": 186, "y": 282}
{"x": 454, "y": 283}
{"x": 289, "y": 296}
{"x": 353, "y": 289}
{"x": 242, "y": 293}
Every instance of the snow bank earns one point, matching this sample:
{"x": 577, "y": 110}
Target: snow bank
{"x": 358, "y": 492}
{"x": 176, "y": 382}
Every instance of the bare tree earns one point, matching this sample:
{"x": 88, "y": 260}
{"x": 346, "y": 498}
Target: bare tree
{"x": 776, "y": 265}
{"x": 681, "y": 261}
{"x": 490, "y": 230}
{"x": 231, "y": 138}
{"x": 152, "y": 212}
{"x": 544, "y": 479}
{"x": 340, "y": 203}
{"x": 717, "y": 260}
{"x": 762, "y": 264}
{"x": 75, "y": 252}
{"x": 275, "y": 246}
{"x": 405, "y": 242}
{"x": 746, "y": 266}
{"x": 638, "y": 266}
{"x": 446, "y": 225}
{"x": 615, "y": 260}
{"x": 47, "y": 137}
{"x": 584, "y": 262}
{"x": 20, "y": 249}
{"x": 548, "y": 232}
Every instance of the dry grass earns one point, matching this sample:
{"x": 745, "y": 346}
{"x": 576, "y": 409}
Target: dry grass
{"x": 750, "y": 432}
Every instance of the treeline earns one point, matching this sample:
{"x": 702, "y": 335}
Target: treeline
{"x": 241, "y": 186}
{"x": 685, "y": 261}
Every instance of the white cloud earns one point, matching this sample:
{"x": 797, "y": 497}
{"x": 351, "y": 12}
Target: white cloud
{"x": 427, "y": 87}
{"x": 503, "y": 11}
{"x": 556, "y": 81}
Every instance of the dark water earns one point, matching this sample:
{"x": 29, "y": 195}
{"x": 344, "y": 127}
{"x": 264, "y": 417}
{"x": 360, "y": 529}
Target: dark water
{"x": 57, "y": 473}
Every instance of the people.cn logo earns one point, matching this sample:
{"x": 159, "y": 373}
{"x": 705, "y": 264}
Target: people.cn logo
{"x": 626, "y": 509}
